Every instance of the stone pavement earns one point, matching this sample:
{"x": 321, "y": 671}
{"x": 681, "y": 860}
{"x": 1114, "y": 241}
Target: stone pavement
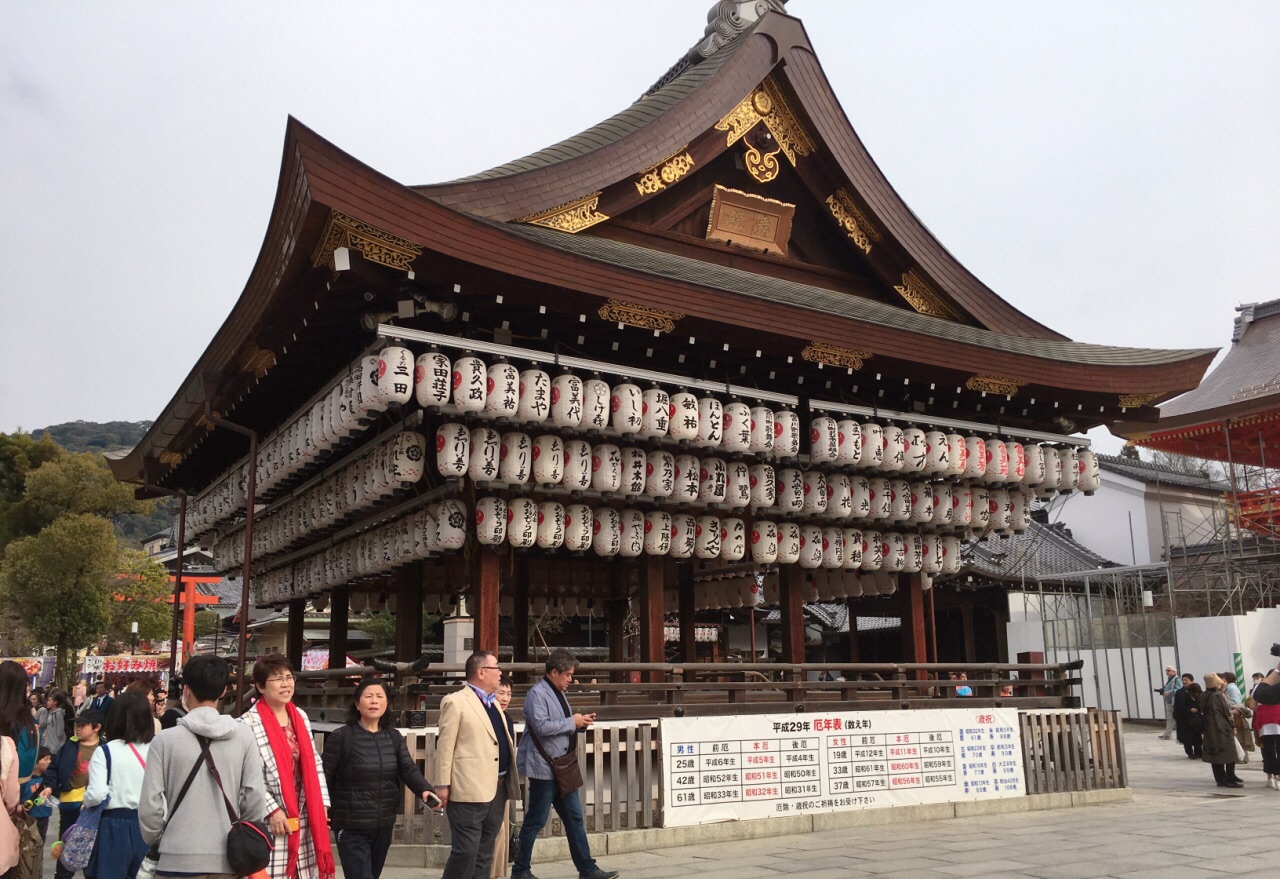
{"x": 1178, "y": 825}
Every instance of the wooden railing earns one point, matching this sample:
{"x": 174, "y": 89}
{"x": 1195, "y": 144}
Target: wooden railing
{"x": 1072, "y": 751}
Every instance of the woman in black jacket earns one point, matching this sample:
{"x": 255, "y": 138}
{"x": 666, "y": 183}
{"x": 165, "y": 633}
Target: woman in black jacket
{"x": 1186, "y": 716}
{"x": 365, "y": 761}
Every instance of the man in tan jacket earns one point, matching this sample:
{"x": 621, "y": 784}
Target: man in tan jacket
{"x": 475, "y": 768}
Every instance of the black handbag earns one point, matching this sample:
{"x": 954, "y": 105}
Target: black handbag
{"x": 249, "y": 843}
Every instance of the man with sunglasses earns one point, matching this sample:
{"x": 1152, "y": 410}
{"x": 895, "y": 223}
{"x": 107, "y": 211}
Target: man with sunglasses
{"x": 475, "y": 768}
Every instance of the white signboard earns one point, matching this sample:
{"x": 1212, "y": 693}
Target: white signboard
{"x": 756, "y": 766}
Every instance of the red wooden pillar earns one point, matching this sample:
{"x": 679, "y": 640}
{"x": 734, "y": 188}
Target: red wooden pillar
{"x": 485, "y": 586}
{"x": 914, "y": 639}
{"x": 652, "y": 642}
{"x": 791, "y": 599}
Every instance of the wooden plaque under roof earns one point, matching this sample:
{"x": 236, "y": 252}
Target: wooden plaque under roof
{"x": 750, "y": 220}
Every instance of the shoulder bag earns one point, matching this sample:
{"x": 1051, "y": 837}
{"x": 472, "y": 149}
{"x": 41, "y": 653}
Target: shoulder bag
{"x": 565, "y": 768}
{"x": 249, "y": 843}
{"x": 152, "y": 860}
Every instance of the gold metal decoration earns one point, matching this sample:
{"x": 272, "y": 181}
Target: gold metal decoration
{"x": 203, "y": 421}
{"x": 1136, "y": 401}
{"x": 643, "y": 316}
{"x": 572, "y": 217}
{"x": 766, "y": 104}
{"x": 920, "y": 296}
{"x": 855, "y": 224}
{"x": 994, "y": 384}
{"x": 170, "y": 459}
{"x": 374, "y": 244}
{"x": 665, "y": 173}
{"x": 258, "y": 362}
{"x": 834, "y": 355}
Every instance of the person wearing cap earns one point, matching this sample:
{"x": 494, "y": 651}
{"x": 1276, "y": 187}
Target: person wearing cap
{"x": 1172, "y": 685}
{"x": 68, "y": 775}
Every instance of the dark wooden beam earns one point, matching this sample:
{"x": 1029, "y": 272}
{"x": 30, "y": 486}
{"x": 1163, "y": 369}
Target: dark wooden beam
{"x": 339, "y": 614}
{"x": 485, "y": 588}
{"x": 688, "y": 613}
{"x": 409, "y": 587}
{"x": 966, "y": 621}
{"x": 616, "y": 624}
{"x": 295, "y": 641}
{"x": 791, "y": 598}
{"x": 520, "y": 612}
{"x": 652, "y": 642}
{"x": 854, "y": 651}
{"x": 914, "y": 638}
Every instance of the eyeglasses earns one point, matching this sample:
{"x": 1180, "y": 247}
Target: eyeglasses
{"x": 490, "y": 668}
{"x": 281, "y": 679}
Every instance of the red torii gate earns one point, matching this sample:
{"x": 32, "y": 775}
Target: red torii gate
{"x": 191, "y": 600}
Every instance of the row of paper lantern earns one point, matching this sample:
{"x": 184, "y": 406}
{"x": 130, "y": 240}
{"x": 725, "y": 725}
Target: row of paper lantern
{"x": 816, "y": 586}
{"x": 485, "y": 455}
{"x": 377, "y": 475}
{"x": 629, "y": 533}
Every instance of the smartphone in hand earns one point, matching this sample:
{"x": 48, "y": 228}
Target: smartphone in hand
{"x": 433, "y": 802}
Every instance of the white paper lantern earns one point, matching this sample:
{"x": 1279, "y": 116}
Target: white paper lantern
{"x": 809, "y": 588}
{"x": 786, "y": 433}
{"x": 1052, "y": 470}
{"x": 371, "y": 400}
{"x": 1020, "y": 509}
{"x": 976, "y": 463}
{"x": 606, "y": 467}
{"x": 900, "y": 498}
{"x": 913, "y": 553}
{"x": 548, "y": 459}
{"x": 997, "y": 469}
{"x": 737, "y": 485}
{"x": 1069, "y": 460}
{"x": 860, "y": 496}
{"x": 1001, "y": 509}
{"x": 566, "y": 400}
{"x": 761, "y": 429}
{"x": 534, "y": 396}
{"x": 981, "y": 509}
{"x": 684, "y": 416}
{"x": 932, "y": 553}
{"x": 872, "y": 550}
{"x": 688, "y": 478}
{"x": 578, "y": 527}
{"x": 453, "y": 449}
{"x": 921, "y": 502}
{"x": 577, "y": 465}
{"x": 1017, "y": 461}
{"x": 810, "y": 546}
{"x": 408, "y": 457}
{"x": 962, "y": 506}
{"x": 881, "y": 494}
{"x": 872, "y": 444}
{"x": 944, "y": 503}
{"x": 486, "y": 447}
{"x": 814, "y": 488}
{"x": 502, "y": 390}
{"x": 596, "y": 395}
{"x": 490, "y": 521}
{"x": 710, "y": 422}
{"x": 655, "y": 413}
{"x": 522, "y": 522}
{"x": 848, "y": 442}
{"x": 432, "y": 379}
{"x": 950, "y": 548}
{"x": 894, "y": 549}
{"x": 515, "y": 463}
{"x": 713, "y": 481}
{"x": 606, "y": 537}
{"x": 736, "y": 426}
{"x": 684, "y": 536}
{"x": 551, "y": 525}
{"x": 733, "y": 539}
{"x": 917, "y": 451}
{"x": 626, "y": 403}
{"x": 839, "y": 496}
{"x": 895, "y": 449}
{"x": 852, "y": 538}
{"x": 657, "y": 532}
{"x": 451, "y": 524}
{"x": 852, "y": 585}
{"x": 832, "y": 548}
{"x": 790, "y": 493}
{"x": 395, "y": 375}
{"x": 957, "y": 455}
{"x": 707, "y": 543}
{"x": 470, "y": 384}
{"x": 824, "y": 440}
{"x": 764, "y": 485}
{"x": 660, "y": 474}
{"x": 1034, "y": 474}
{"x": 764, "y": 542}
{"x": 788, "y": 543}
{"x": 631, "y": 533}
{"x": 1090, "y": 474}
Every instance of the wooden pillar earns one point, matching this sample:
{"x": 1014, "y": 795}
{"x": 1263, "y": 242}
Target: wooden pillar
{"x": 294, "y": 640}
{"x": 791, "y": 599}
{"x": 914, "y": 643}
{"x": 408, "y": 589}
{"x": 854, "y": 653}
{"x": 485, "y": 585}
{"x": 652, "y": 642}
{"x": 339, "y": 613}
{"x": 616, "y": 624}
{"x": 520, "y": 613}
{"x": 688, "y": 614}
{"x": 966, "y": 621}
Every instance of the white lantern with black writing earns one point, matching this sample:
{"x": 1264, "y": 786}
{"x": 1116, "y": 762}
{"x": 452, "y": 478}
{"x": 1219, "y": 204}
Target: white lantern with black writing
{"x": 395, "y": 375}
{"x": 932, "y": 556}
{"x": 917, "y": 450}
{"x": 790, "y": 495}
{"x": 981, "y": 509}
{"x": 1090, "y": 475}
{"x": 606, "y": 467}
{"x": 764, "y": 542}
{"x": 1034, "y": 474}
{"x": 881, "y": 494}
{"x": 407, "y": 458}
{"x": 872, "y": 550}
{"x": 921, "y": 502}
{"x": 815, "y": 492}
{"x": 626, "y": 404}
{"x": 900, "y": 498}
{"x": 937, "y": 453}
{"x": 895, "y": 449}
{"x": 1001, "y": 507}
{"x": 548, "y": 459}
{"x": 657, "y": 532}
{"x": 1070, "y": 468}
{"x": 684, "y": 535}
{"x": 707, "y": 544}
{"x": 824, "y": 440}
{"x": 733, "y": 539}
{"x": 872, "y": 444}
{"x": 595, "y": 404}
{"x": 551, "y": 525}
{"x": 684, "y": 416}
{"x": 631, "y": 533}
{"x": 606, "y": 538}
{"x": 491, "y": 520}
{"x": 713, "y": 481}
{"x": 737, "y": 485}
{"x": 786, "y": 433}
{"x": 832, "y": 548}
{"x": 810, "y": 546}
{"x": 860, "y": 496}
{"x": 894, "y": 547}
{"x": 534, "y": 403}
{"x": 522, "y": 522}
{"x": 1020, "y": 509}
{"x": 736, "y": 427}
{"x": 710, "y": 422}
{"x": 949, "y": 546}
{"x": 913, "y": 558}
{"x": 432, "y": 379}
{"x": 566, "y": 400}
{"x": 655, "y": 413}
{"x": 660, "y": 474}
{"x": 788, "y": 543}
{"x": 502, "y": 390}
{"x": 944, "y": 503}
{"x": 761, "y": 429}
{"x": 577, "y": 465}
{"x": 1052, "y": 470}
{"x": 688, "y": 474}
{"x": 453, "y": 449}
{"x": 515, "y": 464}
{"x": 371, "y": 400}
{"x": 451, "y": 524}
{"x": 579, "y": 526}
{"x": 764, "y": 486}
{"x": 839, "y": 496}
{"x": 486, "y": 446}
{"x": 848, "y": 443}
{"x": 634, "y": 465}
{"x": 852, "y": 538}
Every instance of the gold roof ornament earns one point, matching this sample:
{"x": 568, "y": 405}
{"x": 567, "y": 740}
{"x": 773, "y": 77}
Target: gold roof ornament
{"x": 922, "y": 298}
{"x": 1136, "y": 401}
{"x": 665, "y": 173}
{"x": 767, "y": 105}
{"x": 643, "y": 316}
{"x": 994, "y": 384}
{"x": 854, "y": 223}
{"x": 834, "y": 355}
{"x": 574, "y": 216}
{"x": 374, "y": 244}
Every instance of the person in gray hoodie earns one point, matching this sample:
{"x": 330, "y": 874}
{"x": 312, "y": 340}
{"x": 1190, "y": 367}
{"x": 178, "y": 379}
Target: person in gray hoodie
{"x": 196, "y": 844}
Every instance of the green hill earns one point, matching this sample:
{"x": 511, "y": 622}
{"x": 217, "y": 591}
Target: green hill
{"x": 93, "y": 436}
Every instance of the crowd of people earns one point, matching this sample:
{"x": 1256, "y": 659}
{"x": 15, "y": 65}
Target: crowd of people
{"x": 133, "y": 761}
{"x": 1217, "y": 723}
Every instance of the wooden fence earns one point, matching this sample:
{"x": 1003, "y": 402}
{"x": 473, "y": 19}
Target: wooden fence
{"x": 1072, "y": 750}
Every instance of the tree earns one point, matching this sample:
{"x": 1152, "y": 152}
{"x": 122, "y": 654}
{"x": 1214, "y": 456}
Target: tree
{"x": 79, "y": 483}
{"x": 381, "y": 626}
{"x": 20, "y": 454}
{"x": 60, "y": 583}
{"x": 1188, "y": 465}
{"x": 141, "y": 587}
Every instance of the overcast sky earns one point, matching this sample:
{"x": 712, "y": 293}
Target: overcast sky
{"x": 1112, "y": 169}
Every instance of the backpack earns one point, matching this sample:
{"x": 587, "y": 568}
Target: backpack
{"x": 79, "y": 840}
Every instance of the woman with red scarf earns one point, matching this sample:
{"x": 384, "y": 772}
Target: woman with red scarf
{"x": 296, "y": 793}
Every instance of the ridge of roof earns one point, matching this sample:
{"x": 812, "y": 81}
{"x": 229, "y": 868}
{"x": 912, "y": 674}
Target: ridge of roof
{"x": 1043, "y": 551}
{"x": 1150, "y": 471}
{"x": 689, "y": 270}
{"x": 1250, "y": 312}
